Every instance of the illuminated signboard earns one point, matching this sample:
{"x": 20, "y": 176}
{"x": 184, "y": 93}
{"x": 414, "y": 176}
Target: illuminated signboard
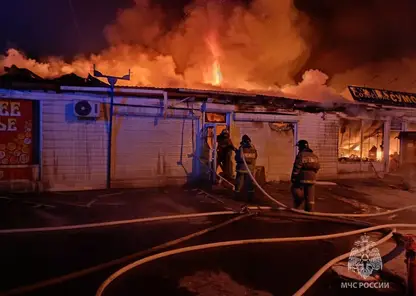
{"x": 383, "y": 97}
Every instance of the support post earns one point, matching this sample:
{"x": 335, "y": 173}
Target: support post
{"x": 361, "y": 145}
{"x": 386, "y": 145}
{"x": 110, "y": 136}
{"x": 112, "y": 80}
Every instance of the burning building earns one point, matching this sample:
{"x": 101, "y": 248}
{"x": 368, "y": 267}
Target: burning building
{"x": 54, "y": 133}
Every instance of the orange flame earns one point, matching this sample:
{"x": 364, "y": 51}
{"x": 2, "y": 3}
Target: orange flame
{"x": 213, "y": 75}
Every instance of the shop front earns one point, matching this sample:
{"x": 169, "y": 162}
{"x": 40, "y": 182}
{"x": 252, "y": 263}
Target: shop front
{"x": 19, "y": 157}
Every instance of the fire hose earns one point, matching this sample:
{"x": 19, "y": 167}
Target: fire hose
{"x": 308, "y": 284}
{"x": 115, "y": 223}
{"x": 285, "y": 207}
{"x": 115, "y": 262}
{"x": 149, "y": 219}
{"x": 388, "y": 212}
{"x": 339, "y": 258}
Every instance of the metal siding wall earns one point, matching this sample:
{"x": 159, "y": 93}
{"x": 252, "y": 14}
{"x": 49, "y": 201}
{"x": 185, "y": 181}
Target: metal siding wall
{"x": 73, "y": 151}
{"x": 149, "y": 150}
{"x": 322, "y": 135}
{"x": 275, "y": 150}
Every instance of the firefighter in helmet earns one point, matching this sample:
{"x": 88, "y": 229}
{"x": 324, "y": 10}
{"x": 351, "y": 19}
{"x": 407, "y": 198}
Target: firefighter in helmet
{"x": 303, "y": 178}
{"x": 243, "y": 178}
{"x": 224, "y": 153}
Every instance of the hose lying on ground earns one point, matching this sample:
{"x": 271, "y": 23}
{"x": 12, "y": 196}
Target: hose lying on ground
{"x": 218, "y": 175}
{"x": 125, "y": 269}
{"x": 388, "y": 212}
{"x": 334, "y": 261}
{"x": 84, "y": 272}
{"x": 119, "y": 222}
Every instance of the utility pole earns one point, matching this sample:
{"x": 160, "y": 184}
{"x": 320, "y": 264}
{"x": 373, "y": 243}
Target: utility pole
{"x": 112, "y": 80}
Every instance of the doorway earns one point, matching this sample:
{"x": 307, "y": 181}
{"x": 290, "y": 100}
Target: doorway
{"x": 209, "y": 140}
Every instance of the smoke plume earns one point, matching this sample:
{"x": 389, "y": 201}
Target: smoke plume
{"x": 266, "y": 45}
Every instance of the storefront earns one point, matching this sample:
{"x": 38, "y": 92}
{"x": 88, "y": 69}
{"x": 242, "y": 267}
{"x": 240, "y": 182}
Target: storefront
{"x": 156, "y": 148}
{"x": 377, "y": 140}
{"x": 19, "y": 153}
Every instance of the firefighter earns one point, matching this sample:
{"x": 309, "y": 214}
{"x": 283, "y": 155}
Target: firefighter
{"x": 303, "y": 178}
{"x": 243, "y": 178}
{"x": 224, "y": 153}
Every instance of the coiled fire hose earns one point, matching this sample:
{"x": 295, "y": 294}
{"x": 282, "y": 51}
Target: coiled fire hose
{"x": 301, "y": 291}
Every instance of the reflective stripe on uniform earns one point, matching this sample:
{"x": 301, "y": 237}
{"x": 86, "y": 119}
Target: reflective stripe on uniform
{"x": 307, "y": 182}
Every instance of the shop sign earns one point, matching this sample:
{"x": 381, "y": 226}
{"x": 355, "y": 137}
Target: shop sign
{"x": 16, "y": 138}
{"x": 382, "y": 97}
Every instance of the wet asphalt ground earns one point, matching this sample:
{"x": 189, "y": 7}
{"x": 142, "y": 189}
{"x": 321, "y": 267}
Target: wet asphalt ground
{"x": 260, "y": 269}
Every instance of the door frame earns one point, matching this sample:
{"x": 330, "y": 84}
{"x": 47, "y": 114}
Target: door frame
{"x": 213, "y": 150}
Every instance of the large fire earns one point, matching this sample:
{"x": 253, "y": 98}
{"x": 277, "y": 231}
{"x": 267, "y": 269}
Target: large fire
{"x": 213, "y": 74}
{"x": 255, "y": 48}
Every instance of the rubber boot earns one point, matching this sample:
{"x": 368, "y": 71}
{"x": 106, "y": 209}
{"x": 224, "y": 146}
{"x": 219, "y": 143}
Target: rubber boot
{"x": 309, "y": 206}
{"x": 297, "y": 203}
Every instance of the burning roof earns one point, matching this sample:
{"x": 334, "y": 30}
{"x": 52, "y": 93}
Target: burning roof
{"x": 24, "y": 79}
{"x": 20, "y": 78}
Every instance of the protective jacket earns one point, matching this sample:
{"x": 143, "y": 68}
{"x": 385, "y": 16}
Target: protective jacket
{"x": 224, "y": 143}
{"x": 306, "y": 167}
{"x": 250, "y": 155}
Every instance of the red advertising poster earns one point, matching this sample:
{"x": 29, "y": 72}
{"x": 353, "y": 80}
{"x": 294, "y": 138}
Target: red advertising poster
{"x": 15, "y": 137}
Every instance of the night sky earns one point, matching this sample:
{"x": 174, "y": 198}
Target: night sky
{"x": 47, "y": 27}
{"x": 342, "y": 33}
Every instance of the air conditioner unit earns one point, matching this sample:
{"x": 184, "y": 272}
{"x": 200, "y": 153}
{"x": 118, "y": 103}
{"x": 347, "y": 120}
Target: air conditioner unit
{"x": 87, "y": 109}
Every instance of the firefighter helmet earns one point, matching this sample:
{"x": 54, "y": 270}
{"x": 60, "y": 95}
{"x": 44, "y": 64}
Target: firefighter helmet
{"x": 246, "y": 138}
{"x": 225, "y": 132}
{"x": 302, "y": 144}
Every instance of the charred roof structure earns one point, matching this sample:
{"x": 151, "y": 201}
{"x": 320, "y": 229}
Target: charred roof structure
{"x": 23, "y": 79}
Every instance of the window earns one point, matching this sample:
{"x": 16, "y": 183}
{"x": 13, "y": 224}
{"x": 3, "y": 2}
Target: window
{"x": 373, "y": 132}
{"x": 411, "y": 126}
{"x": 349, "y": 141}
{"x": 351, "y": 149}
{"x": 394, "y": 150}
{"x": 215, "y": 117}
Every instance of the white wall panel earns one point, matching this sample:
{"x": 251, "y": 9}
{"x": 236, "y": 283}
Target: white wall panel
{"x": 73, "y": 151}
{"x": 152, "y": 151}
{"x": 321, "y": 131}
{"x": 275, "y": 149}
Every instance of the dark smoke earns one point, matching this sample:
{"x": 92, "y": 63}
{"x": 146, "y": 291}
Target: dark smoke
{"x": 294, "y": 45}
{"x": 348, "y": 34}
